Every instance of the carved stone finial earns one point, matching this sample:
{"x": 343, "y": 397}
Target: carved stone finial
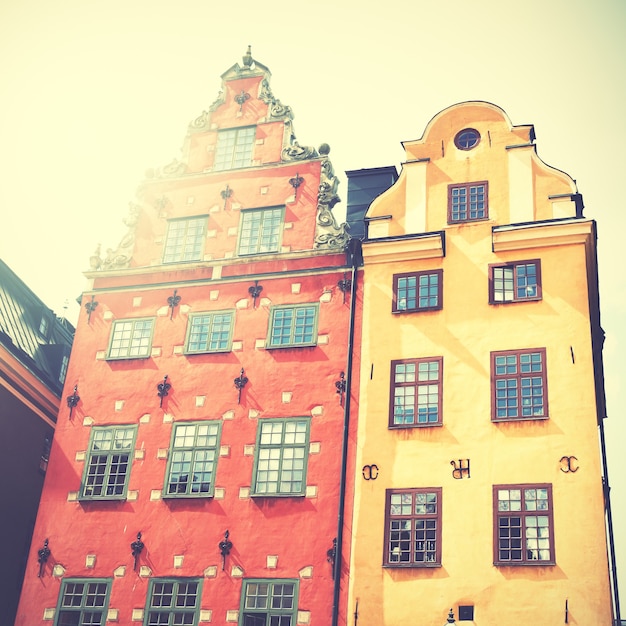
{"x": 324, "y": 149}
{"x": 247, "y": 58}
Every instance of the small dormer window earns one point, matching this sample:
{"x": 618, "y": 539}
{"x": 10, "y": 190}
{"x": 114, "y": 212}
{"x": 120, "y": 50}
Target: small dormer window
{"x": 63, "y": 370}
{"x": 43, "y": 326}
{"x": 467, "y": 139}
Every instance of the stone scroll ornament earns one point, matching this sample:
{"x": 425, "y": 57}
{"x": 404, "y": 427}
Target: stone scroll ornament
{"x": 328, "y": 233}
{"x": 119, "y": 258}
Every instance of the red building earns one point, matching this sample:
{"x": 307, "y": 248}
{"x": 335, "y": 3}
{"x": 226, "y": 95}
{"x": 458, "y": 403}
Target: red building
{"x": 198, "y": 478}
{"x": 35, "y": 347}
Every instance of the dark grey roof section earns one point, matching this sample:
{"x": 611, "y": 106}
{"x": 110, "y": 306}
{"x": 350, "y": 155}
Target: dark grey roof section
{"x": 363, "y": 186}
{"x": 32, "y": 332}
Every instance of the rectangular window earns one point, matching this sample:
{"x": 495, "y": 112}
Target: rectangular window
{"x": 260, "y": 231}
{"x": 267, "y": 602}
{"x": 416, "y": 392}
{"x": 467, "y": 203}
{"x": 185, "y": 240}
{"x": 418, "y": 291}
{"x": 523, "y": 525}
{"x": 65, "y": 360}
{"x": 293, "y": 326}
{"x": 413, "y": 527}
{"x": 519, "y": 384}
{"x": 173, "y": 601}
{"x": 107, "y": 466}
{"x": 83, "y": 602}
{"x": 210, "y": 332}
{"x": 234, "y": 148}
{"x": 131, "y": 339}
{"x": 192, "y": 460}
{"x": 281, "y": 457}
{"x": 515, "y": 282}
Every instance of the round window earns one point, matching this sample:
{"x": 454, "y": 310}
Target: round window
{"x": 467, "y": 139}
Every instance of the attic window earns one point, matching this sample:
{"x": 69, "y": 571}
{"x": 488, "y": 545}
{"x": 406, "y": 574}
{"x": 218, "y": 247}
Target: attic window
{"x": 43, "y": 326}
{"x": 467, "y": 139}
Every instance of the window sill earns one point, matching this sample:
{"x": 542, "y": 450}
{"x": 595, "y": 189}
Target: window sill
{"x": 126, "y": 358}
{"x": 411, "y": 566}
{"x": 525, "y": 564}
{"x": 532, "y": 418}
{"x": 291, "y": 346}
{"x": 461, "y": 222}
{"x": 425, "y": 309}
{"x": 521, "y": 301}
{"x": 408, "y": 426}
{"x": 200, "y": 352}
{"x": 257, "y": 496}
{"x": 187, "y": 496}
{"x": 83, "y": 499}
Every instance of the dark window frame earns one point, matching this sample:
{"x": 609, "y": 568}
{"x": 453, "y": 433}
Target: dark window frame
{"x": 179, "y": 601}
{"x": 190, "y": 247}
{"x": 252, "y": 615}
{"x": 211, "y": 332}
{"x": 417, "y": 308}
{"x": 287, "y": 457}
{"x": 101, "y": 471}
{"x": 516, "y": 278}
{"x": 239, "y": 154}
{"x": 467, "y": 187}
{"x": 192, "y": 456}
{"x": 394, "y": 536}
{"x": 68, "y": 586}
{"x": 416, "y": 384}
{"x": 463, "y": 145}
{"x": 525, "y": 387}
{"x": 508, "y": 526}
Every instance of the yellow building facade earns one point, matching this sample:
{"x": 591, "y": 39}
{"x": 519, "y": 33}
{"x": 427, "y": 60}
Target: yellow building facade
{"x": 481, "y": 390}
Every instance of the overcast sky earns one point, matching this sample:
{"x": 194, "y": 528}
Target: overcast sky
{"x": 94, "y": 93}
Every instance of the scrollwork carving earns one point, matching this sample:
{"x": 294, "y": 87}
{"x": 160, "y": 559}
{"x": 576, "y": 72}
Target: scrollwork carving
{"x": 200, "y": 123}
{"x": 218, "y": 101}
{"x": 277, "y": 109}
{"x": 296, "y": 152}
{"x": 175, "y": 168}
{"x": 119, "y": 257}
{"x": 328, "y": 233}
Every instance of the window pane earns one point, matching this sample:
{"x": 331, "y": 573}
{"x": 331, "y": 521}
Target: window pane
{"x": 281, "y": 457}
{"x": 260, "y": 231}
{"x": 293, "y": 326}
{"x": 413, "y": 528}
{"x": 185, "y": 240}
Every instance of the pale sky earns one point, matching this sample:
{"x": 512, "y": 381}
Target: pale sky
{"x": 93, "y": 93}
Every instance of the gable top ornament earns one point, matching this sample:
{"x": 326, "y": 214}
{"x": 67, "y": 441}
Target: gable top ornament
{"x": 251, "y": 67}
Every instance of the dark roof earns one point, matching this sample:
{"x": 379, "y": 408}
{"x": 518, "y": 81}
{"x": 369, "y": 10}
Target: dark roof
{"x": 31, "y": 331}
{"x": 363, "y": 187}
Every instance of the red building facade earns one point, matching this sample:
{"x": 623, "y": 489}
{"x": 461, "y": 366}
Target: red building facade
{"x": 197, "y": 472}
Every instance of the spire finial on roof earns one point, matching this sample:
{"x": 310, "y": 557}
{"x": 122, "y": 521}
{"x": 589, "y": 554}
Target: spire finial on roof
{"x": 247, "y": 58}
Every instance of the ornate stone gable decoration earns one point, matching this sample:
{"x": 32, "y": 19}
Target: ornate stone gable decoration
{"x": 328, "y": 234}
{"x": 171, "y": 170}
{"x": 120, "y": 257}
{"x": 277, "y": 110}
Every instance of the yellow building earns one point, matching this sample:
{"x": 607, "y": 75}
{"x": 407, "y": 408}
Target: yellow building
{"x": 481, "y": 390}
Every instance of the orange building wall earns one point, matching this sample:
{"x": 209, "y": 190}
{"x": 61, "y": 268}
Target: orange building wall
{"x": 464, "y": 333}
